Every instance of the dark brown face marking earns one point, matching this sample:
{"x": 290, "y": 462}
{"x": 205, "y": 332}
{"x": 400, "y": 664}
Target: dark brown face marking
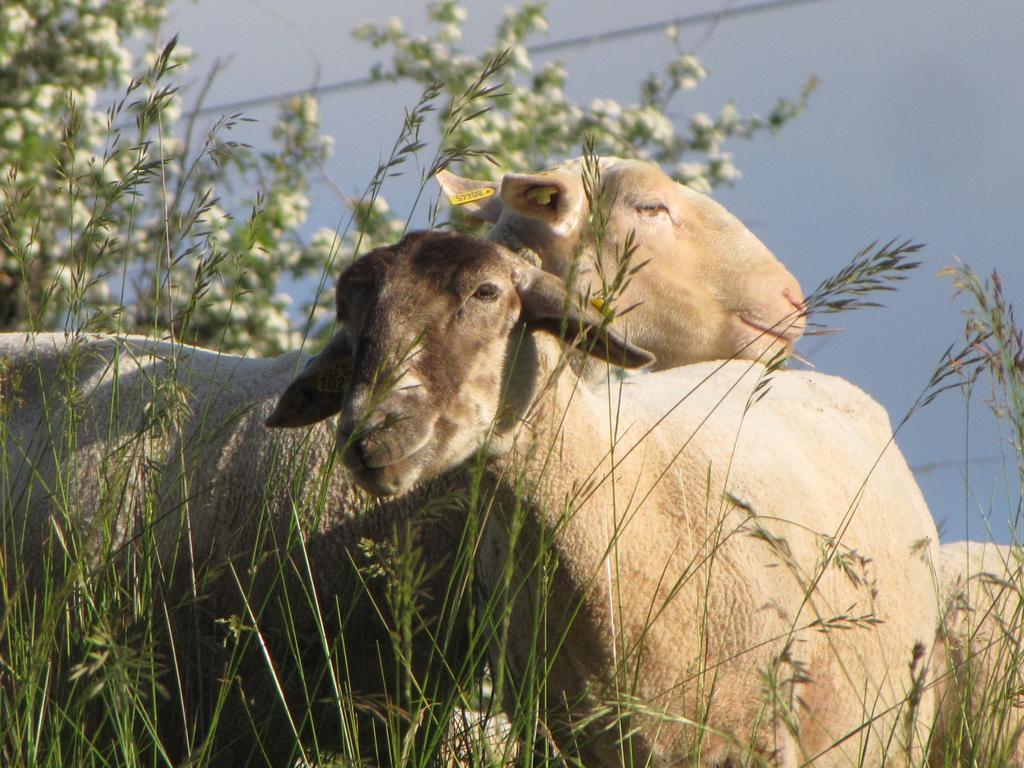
{"x": 428, "y": 320}
{"x": 429, "y": 323}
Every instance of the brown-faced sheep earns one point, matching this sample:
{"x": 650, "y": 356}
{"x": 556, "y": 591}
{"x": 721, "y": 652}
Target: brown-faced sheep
{"x": 740, "y": 570}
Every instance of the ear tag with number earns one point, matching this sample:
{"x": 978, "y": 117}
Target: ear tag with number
{"x": 472, "y": 196}
{"x": 332, "y": 379}
{"x": 541, "y": 195}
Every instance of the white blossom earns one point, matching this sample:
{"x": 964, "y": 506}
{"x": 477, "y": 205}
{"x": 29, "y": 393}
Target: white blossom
{"x": 219, "y": 222}
{"x": 724, "y": 168}
{"x": 606, "y": 107}
{"x": 15, "y": 20}
{"x": 702, "y": 120}
{"x": 46, "y": 96}
{"x": 520, "y": 58}
{"x": 324, "y": 244}
{"x": 13, "y": 132}
{"x": 686, "y": 72}
{"x": 450, "y": 33}
{"x": 365, "y": 31}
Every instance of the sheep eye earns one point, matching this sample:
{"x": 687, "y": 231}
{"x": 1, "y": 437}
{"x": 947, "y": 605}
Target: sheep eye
{"x": 486, "y": 292}
{"x": 651, "y": 208}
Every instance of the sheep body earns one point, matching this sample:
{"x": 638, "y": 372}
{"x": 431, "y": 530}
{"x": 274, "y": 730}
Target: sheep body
{"x": 703, "y": 270}
{"x": 704, "y": 542}
{"x": 248, "y": 523}
{"x": 742, "y": 615}
{"x": 979, "y": 641}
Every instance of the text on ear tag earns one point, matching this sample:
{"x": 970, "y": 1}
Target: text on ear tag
{"x": 472, "y": 196}
{"x": 332, "y": 380}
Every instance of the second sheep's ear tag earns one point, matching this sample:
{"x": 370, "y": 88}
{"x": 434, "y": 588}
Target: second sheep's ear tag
{"x": 606, "y": 308}
{"x": 462, "y": 198}
{"x": 541, "y": 195}
{"x": 602, "y": 306}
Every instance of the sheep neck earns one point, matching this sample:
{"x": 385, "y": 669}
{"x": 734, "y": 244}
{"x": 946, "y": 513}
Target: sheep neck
{"x": 546, "y": 401}
{"x": 555, "y": 503}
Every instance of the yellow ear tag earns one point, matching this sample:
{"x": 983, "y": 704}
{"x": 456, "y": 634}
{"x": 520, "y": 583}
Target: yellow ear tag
{"x": 472, "y": 196}
{"x": 541, "y": 195}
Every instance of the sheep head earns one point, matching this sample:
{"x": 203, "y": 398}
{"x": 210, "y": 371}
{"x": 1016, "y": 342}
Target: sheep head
{"x": 430, "y": 327}
{"x": 706, "y": 287}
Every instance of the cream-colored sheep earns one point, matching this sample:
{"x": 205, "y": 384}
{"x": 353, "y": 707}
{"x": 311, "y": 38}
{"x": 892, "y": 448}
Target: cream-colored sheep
{"x": 706, "y": 274}
{"x": 708, "y": 288}
{"x": 741, "y": 566}
{"x": 691, "y": 270}
{"x": 979, "y": 688}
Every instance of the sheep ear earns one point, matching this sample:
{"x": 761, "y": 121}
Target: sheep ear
{"x": 549, "y": 197}
{"x": 546, "y": 304}
{"x": 318, "y": 392}
{"x": 477, "y": 198}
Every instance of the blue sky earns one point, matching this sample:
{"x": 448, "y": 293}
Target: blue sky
{"x": 916, "y": 131}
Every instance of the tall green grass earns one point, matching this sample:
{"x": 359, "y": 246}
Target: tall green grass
{"x": 120, "y": 648}
{"x": 985, "y": 608}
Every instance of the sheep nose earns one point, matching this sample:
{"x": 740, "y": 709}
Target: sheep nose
{"x": 355, "y": 454}
{"x": 351, "y": 437}
{"x": 379, "y": 448}
{"x": 796, "y": 321}
{"x": 360, "y": 449}
{"x": 375, "y": 444}
{"x": 358, "y": 420}
{"x": 794, "y": 296}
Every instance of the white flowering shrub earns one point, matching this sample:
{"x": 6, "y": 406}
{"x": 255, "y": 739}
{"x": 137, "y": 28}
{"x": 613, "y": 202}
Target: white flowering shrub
{"x": 534, "y": 124}
{"x": 129, "y": 218}
{"x": 119, "y": 217}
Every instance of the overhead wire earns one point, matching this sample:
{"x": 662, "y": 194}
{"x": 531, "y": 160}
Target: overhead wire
{"x": 340, "y": 86}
